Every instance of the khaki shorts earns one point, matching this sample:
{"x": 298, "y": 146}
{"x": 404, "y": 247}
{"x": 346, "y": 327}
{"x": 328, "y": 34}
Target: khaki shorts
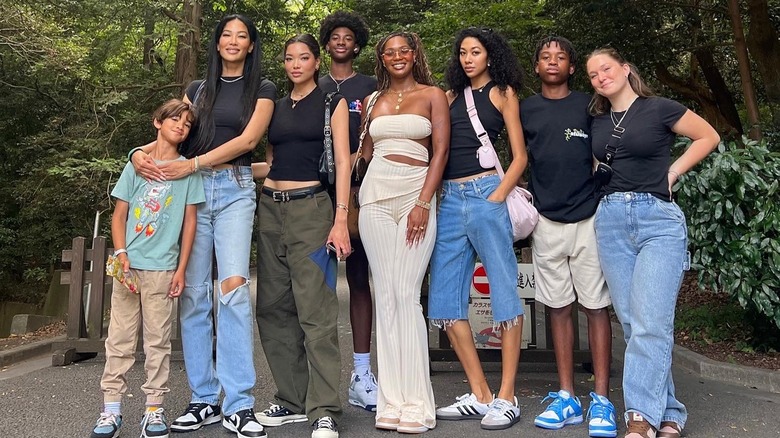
{"x": 566, "y": 265}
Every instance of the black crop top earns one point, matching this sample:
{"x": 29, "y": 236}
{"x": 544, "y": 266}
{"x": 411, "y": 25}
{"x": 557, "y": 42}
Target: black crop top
{"x": 227, "y": 112}
{"x": 463, "y": 159}
{"x": 297, "y": 136}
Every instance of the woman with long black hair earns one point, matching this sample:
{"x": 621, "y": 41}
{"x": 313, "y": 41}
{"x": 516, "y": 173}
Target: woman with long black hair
{"x": 234, "y": 106}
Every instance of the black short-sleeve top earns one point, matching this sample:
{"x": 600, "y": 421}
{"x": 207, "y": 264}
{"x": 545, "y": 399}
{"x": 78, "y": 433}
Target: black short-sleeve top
{"x": 354, "y": 89}
{"x": 464, "y": 143}
{"x": 297, "y": 136}
{"x": 643, "y": 154}
{"x": 227, "y": 111}
{"x": 557, "y": 135}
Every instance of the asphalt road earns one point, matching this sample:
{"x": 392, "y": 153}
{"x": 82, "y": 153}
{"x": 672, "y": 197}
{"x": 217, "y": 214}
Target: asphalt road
{"x": 40, "y": 401}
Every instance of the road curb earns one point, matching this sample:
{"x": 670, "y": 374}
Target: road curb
{"x": 28, "y": 351}
{"x": 759, "y": 378}
{"x": 702, "y": 366}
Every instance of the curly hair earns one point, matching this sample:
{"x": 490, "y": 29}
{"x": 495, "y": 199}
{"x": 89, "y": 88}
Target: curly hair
{"x": 351, "y": 21}
{"x": 503, "y": 67}
{"x": 599, "y": 104}
{"x": 420, "y": 71}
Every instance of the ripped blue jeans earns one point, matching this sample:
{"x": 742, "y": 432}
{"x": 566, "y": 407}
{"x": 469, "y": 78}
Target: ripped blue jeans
{"x": 225, "y": 224}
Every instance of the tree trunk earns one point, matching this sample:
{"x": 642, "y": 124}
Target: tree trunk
{"x": 694, "y": 90}
{"x": 764, "y": 45}
{"x": 148, "y": 41}
{"x": 744, "y": 70}
{"x": 720, "y": 91}
{"x": 189, "y": 44}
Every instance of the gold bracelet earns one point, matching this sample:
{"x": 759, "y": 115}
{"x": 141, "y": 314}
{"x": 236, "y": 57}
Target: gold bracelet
{"x": 192, "y": 166}
{"x": 423, "y": 204}
{"x": 197, "y": 163}
{"x": 343, "y": 207}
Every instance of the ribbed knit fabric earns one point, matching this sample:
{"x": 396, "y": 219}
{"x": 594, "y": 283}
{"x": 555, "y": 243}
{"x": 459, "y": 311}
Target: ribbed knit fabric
{"x": 397, "y": 270}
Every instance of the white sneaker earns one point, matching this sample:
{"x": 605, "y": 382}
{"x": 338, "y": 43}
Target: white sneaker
{"x": 362, "y": 391}
{"x": 466, "y": 407}
{"x": 324, "y": 427}
{"x": 502, "y": 414}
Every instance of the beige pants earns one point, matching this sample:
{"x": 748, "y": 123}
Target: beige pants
{"x": 127, "y": 309}
{"x": 402, "y": 334}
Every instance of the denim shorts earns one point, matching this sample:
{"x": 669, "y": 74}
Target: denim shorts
{"x": 469, "y": 226}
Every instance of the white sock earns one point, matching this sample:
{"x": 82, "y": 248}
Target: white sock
{"x": 362, "y": 363}
{"x": 112, "y": 408}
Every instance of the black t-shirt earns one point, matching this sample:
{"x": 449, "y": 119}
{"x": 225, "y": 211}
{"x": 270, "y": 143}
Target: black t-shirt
{"x": 354, "y": 89}
{"x": 643, "y": 154}
{"x": 227, "y": 111}
{"x": 297, "y": 136}
{"x": 557, "y": 135}
{"x": 464, "y": 143}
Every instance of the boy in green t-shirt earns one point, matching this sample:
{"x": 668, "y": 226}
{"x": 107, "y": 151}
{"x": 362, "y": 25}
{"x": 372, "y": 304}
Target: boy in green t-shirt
{"x": 149, "y": 220}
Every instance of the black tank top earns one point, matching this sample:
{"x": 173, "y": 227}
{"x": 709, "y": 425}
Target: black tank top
{"x": 463, "y": 159}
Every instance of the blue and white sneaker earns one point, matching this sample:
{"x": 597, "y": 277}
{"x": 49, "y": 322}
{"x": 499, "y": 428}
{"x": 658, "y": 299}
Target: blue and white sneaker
{"x": 563, "y": 410}
{"x": 601, "y": 417}
{"x": 154, "y": 424}
{"x": 362, "y": 391}
{"x": 107, "y": 426}
{"x": 466, "y": 407}
{"x": 502, "y": 414}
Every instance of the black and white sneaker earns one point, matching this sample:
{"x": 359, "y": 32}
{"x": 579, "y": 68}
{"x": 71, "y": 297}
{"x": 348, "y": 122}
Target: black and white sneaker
{"x": 196, "y": 416}
{"x": 244, "y": 424}
{"x": 324, "y": 427}
{"x": 278, "y": 415}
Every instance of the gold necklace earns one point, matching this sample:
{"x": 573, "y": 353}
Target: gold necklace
{"x": 401, "y": 96}
{"x": 303, "y": 96}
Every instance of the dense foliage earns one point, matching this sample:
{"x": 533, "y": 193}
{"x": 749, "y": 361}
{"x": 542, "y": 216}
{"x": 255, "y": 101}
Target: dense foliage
{"x": 79, "y": 78}
{"x": 732, "y": 201}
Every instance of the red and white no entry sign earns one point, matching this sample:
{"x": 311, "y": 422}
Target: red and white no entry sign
{"x": 480, "y": 281}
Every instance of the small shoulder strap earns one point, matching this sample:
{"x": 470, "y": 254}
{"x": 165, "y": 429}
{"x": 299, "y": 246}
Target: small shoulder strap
{"x": 482, "y": 135}
{"x": 328, "y": 142}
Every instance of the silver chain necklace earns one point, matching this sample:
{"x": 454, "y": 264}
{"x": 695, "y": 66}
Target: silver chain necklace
{"x": 615, "y": 122}
{"x": 338, "y": 83}
{"x": 230, "y": 81}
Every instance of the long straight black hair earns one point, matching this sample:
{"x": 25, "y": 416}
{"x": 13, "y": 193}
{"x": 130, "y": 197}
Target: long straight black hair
{"x": 203, "y": 132}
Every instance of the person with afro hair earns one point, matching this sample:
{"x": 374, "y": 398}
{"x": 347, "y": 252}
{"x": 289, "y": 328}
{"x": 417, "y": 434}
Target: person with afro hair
{"x": 343, "y": 35}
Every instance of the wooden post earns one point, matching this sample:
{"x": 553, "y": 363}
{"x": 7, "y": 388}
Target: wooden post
{"x": 76, "y": 326}
{"x": 98, "y": 277}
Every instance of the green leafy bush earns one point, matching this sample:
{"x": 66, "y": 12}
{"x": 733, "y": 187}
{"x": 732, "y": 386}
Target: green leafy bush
{"x": 732, "y": 203}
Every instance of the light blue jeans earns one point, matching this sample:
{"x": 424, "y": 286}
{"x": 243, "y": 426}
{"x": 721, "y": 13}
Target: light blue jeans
{"x": 470, "y": 225}
{"x": 225, "y": 223}
{"x": 642, "y": 242}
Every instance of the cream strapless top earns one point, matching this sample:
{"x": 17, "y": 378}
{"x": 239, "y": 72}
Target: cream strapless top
{"x": 396, "y": 134}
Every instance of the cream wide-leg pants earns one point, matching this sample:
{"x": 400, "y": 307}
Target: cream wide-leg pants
{"x": 398, "y": 270}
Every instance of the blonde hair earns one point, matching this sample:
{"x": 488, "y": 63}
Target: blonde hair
{"x": 599, "y": 104}
{"x": 420, "y": 71}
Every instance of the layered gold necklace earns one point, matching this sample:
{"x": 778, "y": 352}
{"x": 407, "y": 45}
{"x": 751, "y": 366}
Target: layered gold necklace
{"x": 401, "y": 96}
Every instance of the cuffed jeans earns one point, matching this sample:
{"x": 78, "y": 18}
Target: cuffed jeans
{"x": 224, "y": 228}
{"x": 642, "y": 244}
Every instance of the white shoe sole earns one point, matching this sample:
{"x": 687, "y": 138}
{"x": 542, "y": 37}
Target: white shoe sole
{"x": 557, "y": 426}
{"x": 206, "y": 422}
{"x": 275, "y": 421}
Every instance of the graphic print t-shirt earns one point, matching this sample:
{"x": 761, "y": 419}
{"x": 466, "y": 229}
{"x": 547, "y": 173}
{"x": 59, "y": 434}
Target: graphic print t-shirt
{"x": 557, "y": 134}
{"x": 155, "y": 217}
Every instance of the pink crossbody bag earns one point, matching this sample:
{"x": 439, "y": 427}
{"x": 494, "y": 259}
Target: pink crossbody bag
{"x": 522, "y": 212}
